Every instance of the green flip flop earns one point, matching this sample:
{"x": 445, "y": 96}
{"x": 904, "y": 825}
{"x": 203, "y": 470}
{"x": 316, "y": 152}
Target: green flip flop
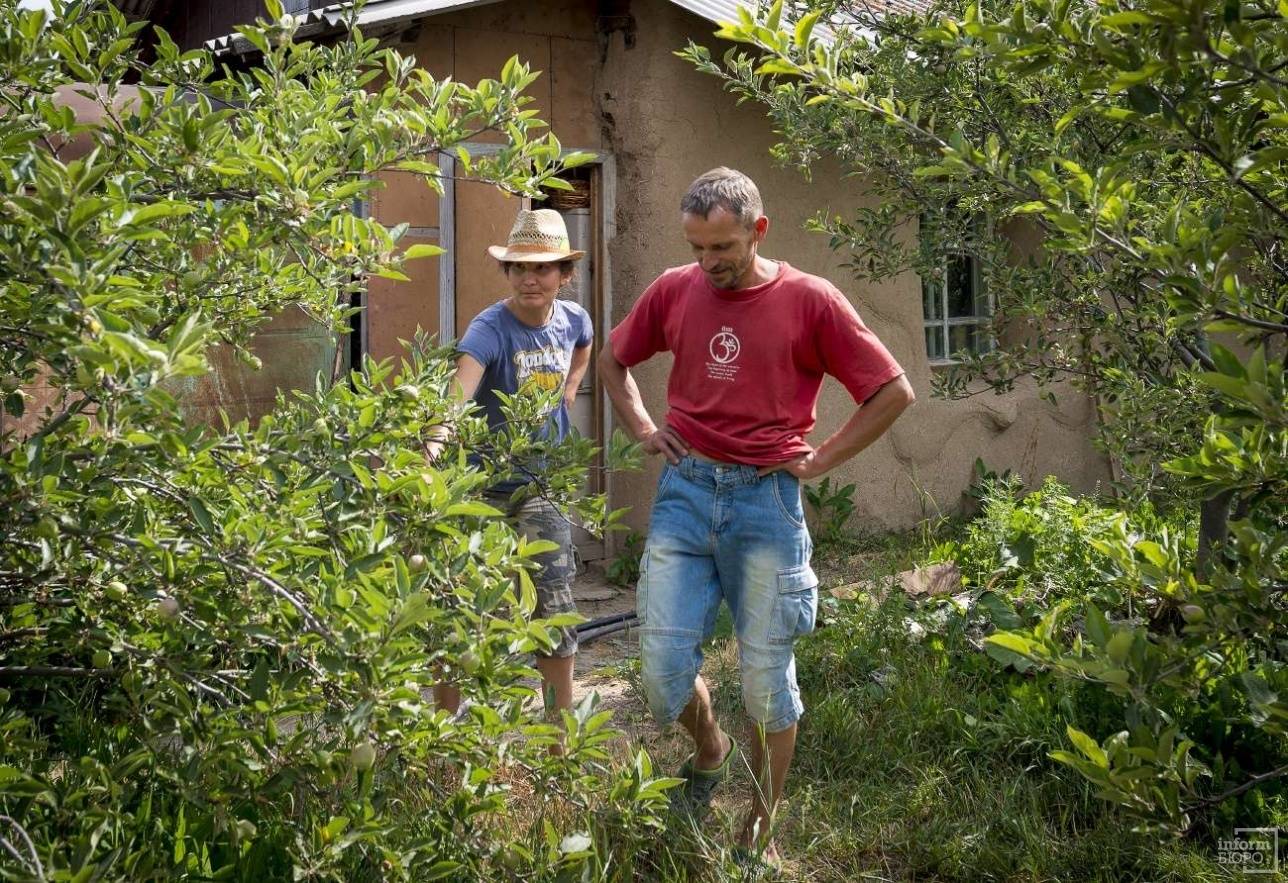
{"x": 694, "y": 796}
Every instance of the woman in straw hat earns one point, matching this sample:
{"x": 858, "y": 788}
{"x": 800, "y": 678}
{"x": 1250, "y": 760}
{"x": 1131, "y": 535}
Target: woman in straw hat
{"x": 532, "y": 338}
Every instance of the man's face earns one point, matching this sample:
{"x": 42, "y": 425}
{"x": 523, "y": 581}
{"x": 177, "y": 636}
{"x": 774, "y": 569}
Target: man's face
{"x": 724, "y": 247}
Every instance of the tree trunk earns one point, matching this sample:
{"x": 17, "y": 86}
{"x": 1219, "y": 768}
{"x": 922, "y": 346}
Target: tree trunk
{"x": 1214, "y": 526}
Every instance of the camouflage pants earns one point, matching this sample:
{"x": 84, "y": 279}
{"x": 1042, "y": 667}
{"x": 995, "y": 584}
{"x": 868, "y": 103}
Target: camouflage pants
{"x": 536, "y": 519}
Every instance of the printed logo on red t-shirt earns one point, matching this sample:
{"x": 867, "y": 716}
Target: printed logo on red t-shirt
{"x": 724, "y": 348}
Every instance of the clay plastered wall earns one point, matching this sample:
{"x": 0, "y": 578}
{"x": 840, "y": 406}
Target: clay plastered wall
{"x": 669, "y": 124}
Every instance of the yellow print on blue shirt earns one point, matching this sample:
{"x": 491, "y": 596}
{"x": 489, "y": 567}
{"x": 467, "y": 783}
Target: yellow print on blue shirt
{"x": 540, "y": 370}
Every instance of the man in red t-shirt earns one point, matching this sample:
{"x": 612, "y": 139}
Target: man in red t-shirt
{"x": 751, "y": 339}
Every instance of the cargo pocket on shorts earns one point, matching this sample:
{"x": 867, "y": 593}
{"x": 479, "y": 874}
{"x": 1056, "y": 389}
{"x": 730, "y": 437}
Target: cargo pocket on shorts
{"x": 797, "y": 604}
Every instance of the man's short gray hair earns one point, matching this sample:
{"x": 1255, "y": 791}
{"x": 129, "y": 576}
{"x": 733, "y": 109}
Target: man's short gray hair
{"x": 724, "y": 188}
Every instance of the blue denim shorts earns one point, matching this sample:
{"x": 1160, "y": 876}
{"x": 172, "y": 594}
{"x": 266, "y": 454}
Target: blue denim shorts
{"x": 720, "y": 532}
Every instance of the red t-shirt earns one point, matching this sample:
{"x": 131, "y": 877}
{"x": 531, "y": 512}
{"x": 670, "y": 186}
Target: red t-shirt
{"x": 749, "y": 363}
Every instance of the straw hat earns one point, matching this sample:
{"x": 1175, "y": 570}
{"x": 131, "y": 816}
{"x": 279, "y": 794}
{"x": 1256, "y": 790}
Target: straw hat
{"x": 538, "y": 236}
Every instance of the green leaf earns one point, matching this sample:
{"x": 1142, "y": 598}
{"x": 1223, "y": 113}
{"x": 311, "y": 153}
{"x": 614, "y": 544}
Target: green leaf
{"x": 805, "y": 27}
{"x": 1014, "y": 642}
{"x": 363, "y": 563}
{"x": 1125, "y": 19}
{"x": 1259, "y": 692}
{"x": 1000, "y": 611}
{"x": 473, "y": 508}
{"x": 777, "y": 66}
{"x": 202, "y": 515}
{"x": 775, "y": 15}
{"x": 422, "y": 250}
{"x": 1119, "y": 645}
{"x": 156, "y": 211}
{"x": 533, "y": 548}
{"x": 441, "y": 870}
{"x": 1097, "y": 625}
{"x": 1087, "y": 746}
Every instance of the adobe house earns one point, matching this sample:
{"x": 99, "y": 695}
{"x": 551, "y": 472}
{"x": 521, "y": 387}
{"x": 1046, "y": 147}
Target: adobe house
{"x": 611, "y": 85}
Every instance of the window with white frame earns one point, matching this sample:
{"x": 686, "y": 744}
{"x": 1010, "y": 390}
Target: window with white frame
{"x": 957, "y": 311}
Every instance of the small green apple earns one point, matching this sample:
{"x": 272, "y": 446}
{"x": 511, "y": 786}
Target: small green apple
{"x": 363, "y": 756}
{"x": 470, "y": 662}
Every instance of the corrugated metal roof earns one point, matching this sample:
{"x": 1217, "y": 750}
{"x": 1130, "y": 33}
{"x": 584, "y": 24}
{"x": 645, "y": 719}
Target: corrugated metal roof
{"x": 878, "y": 8}
{"x": 727, "y": 10}
{"x": 378, "y": 12}
{"x": 388, "y": 11}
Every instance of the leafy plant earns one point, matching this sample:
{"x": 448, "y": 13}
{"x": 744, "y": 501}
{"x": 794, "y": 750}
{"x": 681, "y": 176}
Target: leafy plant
{"x": 624, "y": 569}
{"x": 217, "y": 642}
{"x": 982, "y": 478}
{"x": 832, "y": 507}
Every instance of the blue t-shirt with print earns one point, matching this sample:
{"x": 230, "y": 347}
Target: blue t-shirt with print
{"x": 514, "y": 354}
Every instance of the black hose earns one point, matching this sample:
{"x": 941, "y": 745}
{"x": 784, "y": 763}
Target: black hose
{"x": 604, "y": 620}
{"x": 587, "y": 635}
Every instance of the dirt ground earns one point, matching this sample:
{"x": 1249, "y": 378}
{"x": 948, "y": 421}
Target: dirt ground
{"x": 604, "y": 664}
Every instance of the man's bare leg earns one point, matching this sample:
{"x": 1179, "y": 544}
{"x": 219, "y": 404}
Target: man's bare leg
{"x": 711, "y": 744}
{"x": 771, "y": 776}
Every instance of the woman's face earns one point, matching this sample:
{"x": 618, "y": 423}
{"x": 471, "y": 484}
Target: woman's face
{"x": 535, "y": 284}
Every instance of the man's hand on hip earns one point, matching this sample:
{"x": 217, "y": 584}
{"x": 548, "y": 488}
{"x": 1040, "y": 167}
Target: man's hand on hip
{"x": 804, "y": 468}
{"x": 667, "y": 442}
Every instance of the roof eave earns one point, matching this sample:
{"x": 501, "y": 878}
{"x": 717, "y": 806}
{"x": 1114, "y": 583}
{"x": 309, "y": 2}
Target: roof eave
{"x": 329, "y": 18}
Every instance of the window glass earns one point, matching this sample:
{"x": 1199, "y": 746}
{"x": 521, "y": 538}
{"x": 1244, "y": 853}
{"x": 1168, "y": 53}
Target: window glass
{"x": 935, "y": 342}
{"x": 932, "y": 301}
{"x": 956, "y": 309}
{"x": 961, "y": 287}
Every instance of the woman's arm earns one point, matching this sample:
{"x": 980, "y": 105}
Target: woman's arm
{"x": 576, "y": 371}
{"x": 468, "y": 376}
{"x": 465, "y": 382}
